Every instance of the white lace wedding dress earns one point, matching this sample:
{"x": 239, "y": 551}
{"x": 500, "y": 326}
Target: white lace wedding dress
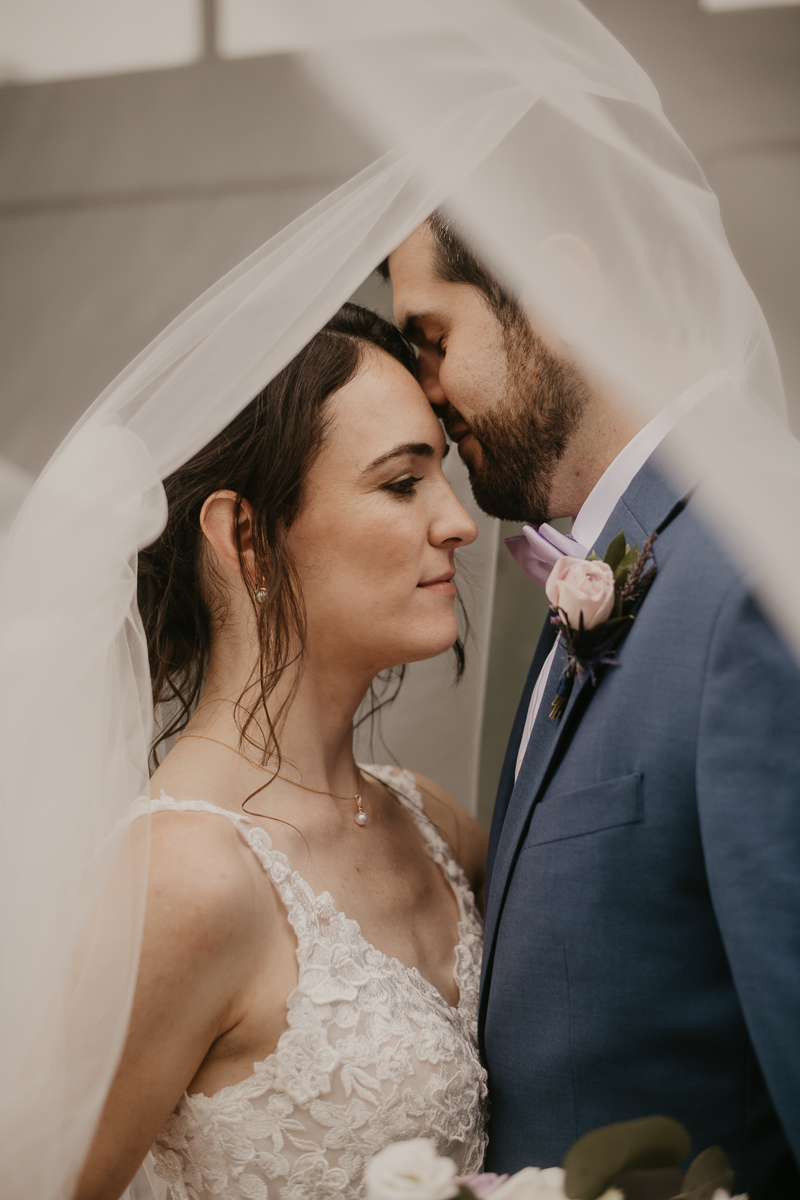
{"x": 373, "y": 1053}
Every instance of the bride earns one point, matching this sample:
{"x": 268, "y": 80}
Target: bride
{"x": 308, "y": 981}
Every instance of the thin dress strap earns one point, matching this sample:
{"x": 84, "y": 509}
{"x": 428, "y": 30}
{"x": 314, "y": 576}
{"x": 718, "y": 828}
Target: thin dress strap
{"x": 405, "y": 787}
{"x": 304, "y": 908}
{"x": 470, "y": 925}
{"x": 165, "y": 803}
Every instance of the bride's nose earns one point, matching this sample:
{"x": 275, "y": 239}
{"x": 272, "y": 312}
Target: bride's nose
{"x": 452, "y": 523}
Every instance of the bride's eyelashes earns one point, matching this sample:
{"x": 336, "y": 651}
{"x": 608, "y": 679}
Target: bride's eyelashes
{"x": 403, "y": 487}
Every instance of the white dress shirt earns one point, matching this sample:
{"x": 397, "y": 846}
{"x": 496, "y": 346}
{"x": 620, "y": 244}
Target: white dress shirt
{"x": 603, "y": 498}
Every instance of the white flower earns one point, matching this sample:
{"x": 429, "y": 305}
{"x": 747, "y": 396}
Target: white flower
{"x": 410, "y": 1171}
{"x": 533, "y": 1183}
{"x": 332, "y": 973}
{"x": 306, "y": 1061}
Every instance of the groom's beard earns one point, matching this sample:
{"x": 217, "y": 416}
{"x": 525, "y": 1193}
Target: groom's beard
{"x": 528, "y": 432}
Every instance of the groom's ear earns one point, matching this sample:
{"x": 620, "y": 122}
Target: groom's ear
{"x": 220, "y": 523}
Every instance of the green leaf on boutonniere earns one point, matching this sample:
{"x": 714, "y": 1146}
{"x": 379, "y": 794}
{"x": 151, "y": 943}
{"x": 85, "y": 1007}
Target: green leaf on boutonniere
{"x": 622, "y": 572}
{"x": 616, "y": 552}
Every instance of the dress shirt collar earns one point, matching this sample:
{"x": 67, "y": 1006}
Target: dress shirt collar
{"x": 615, "y": 480}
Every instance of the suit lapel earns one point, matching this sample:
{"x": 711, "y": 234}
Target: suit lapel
{"x": 506, "y": 785}
{"x": 545, "y": 738}
{"x": 650, "y": 497}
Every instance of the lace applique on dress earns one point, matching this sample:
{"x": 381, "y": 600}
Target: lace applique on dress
{"x": 373, "y": 1054}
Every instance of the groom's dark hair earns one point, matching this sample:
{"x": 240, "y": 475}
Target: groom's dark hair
{"x": 455, "y": 261}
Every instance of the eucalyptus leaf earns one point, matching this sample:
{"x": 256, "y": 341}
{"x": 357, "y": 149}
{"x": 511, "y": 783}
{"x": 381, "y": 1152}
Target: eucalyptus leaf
{"x": 598, "y": 1157}
{"x": 615, "y": 552}
{"x": 621, "y": 575}
{"x": 709, "y": 1171}
{"x": 659, "y": 1183}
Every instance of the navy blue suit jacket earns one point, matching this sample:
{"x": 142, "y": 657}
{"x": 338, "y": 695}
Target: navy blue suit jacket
{"x": 643, "y": 913}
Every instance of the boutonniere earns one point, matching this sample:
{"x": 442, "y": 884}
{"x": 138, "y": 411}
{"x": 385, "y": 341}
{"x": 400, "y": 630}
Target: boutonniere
{"x": 593, "y": 603}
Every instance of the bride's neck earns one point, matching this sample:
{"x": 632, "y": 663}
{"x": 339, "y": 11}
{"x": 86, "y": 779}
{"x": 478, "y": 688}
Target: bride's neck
{"x": 314, "y": 714}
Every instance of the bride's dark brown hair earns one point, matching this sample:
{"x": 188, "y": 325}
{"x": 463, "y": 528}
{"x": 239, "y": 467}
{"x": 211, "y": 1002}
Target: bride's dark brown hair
{"x": 264, "y": 456}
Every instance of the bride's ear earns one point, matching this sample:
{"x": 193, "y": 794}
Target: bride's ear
{"x": 218, "y": 521}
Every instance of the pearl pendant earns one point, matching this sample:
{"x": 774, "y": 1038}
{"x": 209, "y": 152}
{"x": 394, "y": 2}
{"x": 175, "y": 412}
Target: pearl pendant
{"x": 361, "y": 818}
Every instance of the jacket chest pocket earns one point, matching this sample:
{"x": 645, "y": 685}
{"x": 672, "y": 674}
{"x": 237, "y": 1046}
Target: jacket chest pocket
{"x": 587, "y": 810}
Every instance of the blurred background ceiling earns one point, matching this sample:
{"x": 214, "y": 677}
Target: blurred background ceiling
{"x": 146, "y": 146}
{"x": 53, "y": 39}
{"x": 125, "y": 191}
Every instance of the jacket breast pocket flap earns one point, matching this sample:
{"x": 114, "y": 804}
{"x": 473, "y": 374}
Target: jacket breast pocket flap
{"x": 586, "y": 810}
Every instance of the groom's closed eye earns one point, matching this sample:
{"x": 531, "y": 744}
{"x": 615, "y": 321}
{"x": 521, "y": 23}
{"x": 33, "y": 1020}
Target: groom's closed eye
{"x": 423, "y": 329}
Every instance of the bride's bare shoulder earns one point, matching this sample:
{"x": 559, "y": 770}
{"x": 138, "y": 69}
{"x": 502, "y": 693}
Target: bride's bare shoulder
{"x": 204, "y": 882}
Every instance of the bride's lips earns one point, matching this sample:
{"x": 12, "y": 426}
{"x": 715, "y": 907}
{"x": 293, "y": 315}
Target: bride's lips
{"x": 443, "y": 583}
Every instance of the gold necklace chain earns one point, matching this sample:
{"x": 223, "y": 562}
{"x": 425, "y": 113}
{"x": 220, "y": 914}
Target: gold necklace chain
{"x": 361, "y": 816}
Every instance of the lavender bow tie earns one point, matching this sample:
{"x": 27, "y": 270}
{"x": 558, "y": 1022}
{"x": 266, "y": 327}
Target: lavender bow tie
{"x": 537, "y": 553}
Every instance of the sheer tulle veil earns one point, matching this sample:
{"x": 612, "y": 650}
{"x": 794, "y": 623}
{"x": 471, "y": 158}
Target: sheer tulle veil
{"x": 549, "y": 145}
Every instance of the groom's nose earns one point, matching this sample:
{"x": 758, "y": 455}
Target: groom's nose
{"x": 428, "y": 376}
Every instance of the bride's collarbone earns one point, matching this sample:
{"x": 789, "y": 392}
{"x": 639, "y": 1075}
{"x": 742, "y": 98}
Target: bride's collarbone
{"x": 381, "y": 869}
{"x": 381, "y": 874}
{"x": 382, "y": 877}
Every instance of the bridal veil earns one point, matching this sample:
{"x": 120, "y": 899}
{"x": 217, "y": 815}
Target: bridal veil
{"x": 548, "y": 143}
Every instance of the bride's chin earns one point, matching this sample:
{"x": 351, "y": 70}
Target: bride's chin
{"x": 432, "y": 647}
{"x": 419, "y": 639}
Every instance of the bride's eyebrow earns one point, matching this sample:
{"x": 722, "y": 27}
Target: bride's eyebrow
{"x": 419, "y": 449}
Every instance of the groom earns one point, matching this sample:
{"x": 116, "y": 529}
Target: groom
{"x": 643, "y": 914}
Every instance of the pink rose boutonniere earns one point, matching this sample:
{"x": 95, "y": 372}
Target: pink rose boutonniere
{"x": 582, "y": 591}
{"x": 593, "y": 603}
